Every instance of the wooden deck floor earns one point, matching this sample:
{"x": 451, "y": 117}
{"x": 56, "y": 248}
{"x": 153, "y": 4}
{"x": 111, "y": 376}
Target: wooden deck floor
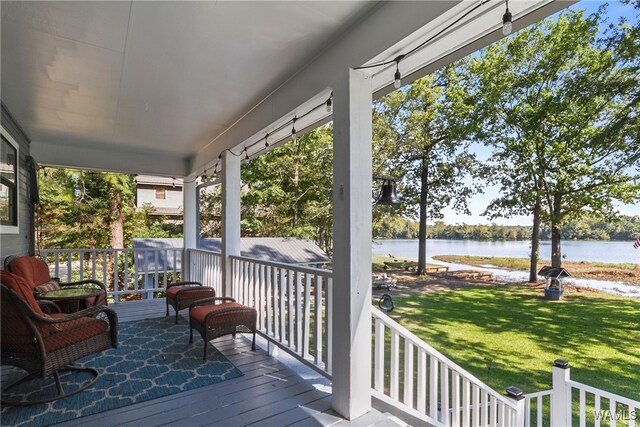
{"x": 274, "y": 391}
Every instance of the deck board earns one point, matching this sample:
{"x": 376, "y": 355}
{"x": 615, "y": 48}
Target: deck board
{"x": 274, "y": 391}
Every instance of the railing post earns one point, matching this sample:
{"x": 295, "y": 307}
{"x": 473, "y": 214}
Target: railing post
{"x": 518, "y": 398}
{"x": 561, "y": 394}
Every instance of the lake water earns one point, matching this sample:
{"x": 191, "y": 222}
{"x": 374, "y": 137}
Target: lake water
{"x": 597, "y": 251}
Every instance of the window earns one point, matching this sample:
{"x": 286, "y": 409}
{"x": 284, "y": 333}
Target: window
{"x": 161, "y": 193}
{"x": 8, "y": 184}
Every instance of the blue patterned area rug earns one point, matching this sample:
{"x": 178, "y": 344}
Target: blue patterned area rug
{"x": 153, "y": 359}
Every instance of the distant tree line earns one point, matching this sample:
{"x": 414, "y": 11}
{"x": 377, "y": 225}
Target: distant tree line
{"x": 620, "y": 228}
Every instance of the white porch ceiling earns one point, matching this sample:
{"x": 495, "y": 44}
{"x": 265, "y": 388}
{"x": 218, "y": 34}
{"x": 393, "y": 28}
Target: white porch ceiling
{"x": 163, "y": 87}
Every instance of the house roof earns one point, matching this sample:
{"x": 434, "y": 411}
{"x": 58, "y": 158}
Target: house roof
{"x": 553, "y": 272}
{"x": 289, "y": 250}
{"x": 163, "y": 88}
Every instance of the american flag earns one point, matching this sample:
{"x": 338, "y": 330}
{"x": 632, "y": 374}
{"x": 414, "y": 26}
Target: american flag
{"x": 636, "y": 244}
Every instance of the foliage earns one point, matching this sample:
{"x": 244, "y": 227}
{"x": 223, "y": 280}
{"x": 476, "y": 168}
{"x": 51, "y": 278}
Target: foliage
{"x": 560, "y": 106}
{"x": 285, "y": 193}
{"x": 77, "y": 211}
{"x": 588, "y": 228}
{"x": 421, "y": 135}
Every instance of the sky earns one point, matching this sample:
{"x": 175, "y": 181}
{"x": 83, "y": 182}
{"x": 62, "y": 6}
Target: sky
{"x": 478, "y": 203}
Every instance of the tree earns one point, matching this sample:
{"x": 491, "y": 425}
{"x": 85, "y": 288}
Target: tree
{"x": 287, "y": 192}
{"x": 86, "y": 209}
{"x": 420, "y": 134}
{"x": 560, "y": 107}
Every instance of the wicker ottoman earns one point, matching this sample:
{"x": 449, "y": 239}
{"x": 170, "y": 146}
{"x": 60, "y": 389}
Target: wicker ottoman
{"x": 180, "y": 295}
{"x": 213, "y": 320}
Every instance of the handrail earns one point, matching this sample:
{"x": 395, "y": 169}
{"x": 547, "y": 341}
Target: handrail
{"x": 542, "y": 418}
{"x": 206, "y": 267}
{"x": 605, "y": 394}
{"x": 125, "y": 272}
{"x": 294, "y": 306}
{"x": 438, "y": 389}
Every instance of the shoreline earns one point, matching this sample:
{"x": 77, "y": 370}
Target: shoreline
{"x": 626, "y": 273}
{"x": 586, "y": 275}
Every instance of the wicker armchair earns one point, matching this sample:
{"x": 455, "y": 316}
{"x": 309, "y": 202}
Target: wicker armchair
{"x": 180, "y": 295}
{"x": 213, "y": 320}
{"x": 36, "y": 273}
{"x": 45, "y": 345}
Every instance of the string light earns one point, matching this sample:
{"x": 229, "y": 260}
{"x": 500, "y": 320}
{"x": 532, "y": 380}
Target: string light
{"x": 293, "y": 128}
{"x": 506, "y": 21}
{"x": 328, "y": 104}
{"x": 397, "y": 82}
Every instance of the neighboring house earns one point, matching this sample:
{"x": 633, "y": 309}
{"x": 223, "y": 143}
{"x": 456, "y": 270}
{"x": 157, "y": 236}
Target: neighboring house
{"x": 163, "y": 193}
{"x": 288, "y": 250}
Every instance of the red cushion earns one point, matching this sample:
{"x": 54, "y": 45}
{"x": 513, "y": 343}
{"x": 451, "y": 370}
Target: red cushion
{"x": 74, "y": 331}
{"x": 199, "y": 313}
{"x": 18, "y": 285}
{"x": 191, "y": 292}
{"x": 32, "y": 269}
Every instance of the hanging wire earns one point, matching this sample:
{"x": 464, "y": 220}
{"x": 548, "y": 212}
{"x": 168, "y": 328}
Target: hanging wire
{"x": 325, "y": 104}
{"x": 400, "y": 57}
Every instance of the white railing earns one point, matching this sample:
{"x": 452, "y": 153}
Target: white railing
{"x": 205, "y": 267}
{"x": 537, "y": 407}
{"x": 127, "y": 273}
{"x": 411, "y": 374}
{"x": 293, "y": 304}
{"x": 572, "y": 403}
{"x": 598, "y": 407}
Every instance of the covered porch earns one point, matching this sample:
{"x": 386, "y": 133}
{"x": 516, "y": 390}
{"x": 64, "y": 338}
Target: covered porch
{"x": 274, "y": 390}
{"x": 193, "y": 89}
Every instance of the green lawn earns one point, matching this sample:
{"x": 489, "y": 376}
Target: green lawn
{"x": 517, "y": 334}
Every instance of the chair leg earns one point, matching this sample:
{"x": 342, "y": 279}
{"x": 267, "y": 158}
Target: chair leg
{"x": 176, "y": 317}
{"x": 7, "y": 395}
{"x": 205, "y": 350}
{"x": 253, "y": 344}
{"x": 167, "y": 309}
{"x": 190, "y": 335}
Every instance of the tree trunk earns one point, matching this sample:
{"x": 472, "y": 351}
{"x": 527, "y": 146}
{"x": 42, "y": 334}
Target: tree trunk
{"x": 116, "y": 224}
{"x": 535, "y": 242}
{"x": 116, "y": 228}
{"x": 422, "y": 232}
{"x": 556, "y": 254}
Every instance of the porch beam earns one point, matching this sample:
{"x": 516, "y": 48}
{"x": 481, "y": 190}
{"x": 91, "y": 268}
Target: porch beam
{"x": 352, "y": 128}
{"x": 190, "y": 223}
{"x": 230, "y": 217}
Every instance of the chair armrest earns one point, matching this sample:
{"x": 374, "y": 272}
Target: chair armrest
{"x": 85, "y": 282}
{"x": 112, "y": 319}
{"x": 209, "y": 301}
{"x": 187, "y": 283}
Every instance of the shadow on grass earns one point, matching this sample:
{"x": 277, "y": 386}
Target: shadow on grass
{"x": 511, "y": 335}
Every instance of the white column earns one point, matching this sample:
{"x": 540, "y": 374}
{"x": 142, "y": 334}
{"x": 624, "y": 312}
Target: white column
{"x": 351, "y": 395}
{"x": 189, "y": 225}
{"x": 230, "y": 217}
{"x": 561, "y": 394}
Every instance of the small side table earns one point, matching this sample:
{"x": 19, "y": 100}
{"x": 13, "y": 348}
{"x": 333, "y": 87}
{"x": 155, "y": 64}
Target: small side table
{"x": 71, "y": 294}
